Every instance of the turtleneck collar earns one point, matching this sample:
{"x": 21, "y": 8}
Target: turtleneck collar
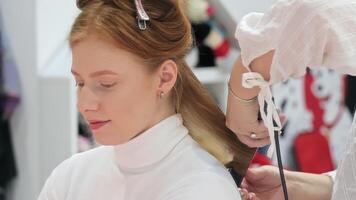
{"x": 152, "y": 145}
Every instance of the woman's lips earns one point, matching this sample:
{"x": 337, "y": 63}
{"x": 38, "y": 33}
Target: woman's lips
{"x": 95, "y": 125}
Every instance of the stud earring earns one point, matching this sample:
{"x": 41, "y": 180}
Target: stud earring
{"x": 161, "y": 94}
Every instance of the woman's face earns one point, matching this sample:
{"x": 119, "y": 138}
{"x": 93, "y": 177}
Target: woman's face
{"x": 117, "y": 95}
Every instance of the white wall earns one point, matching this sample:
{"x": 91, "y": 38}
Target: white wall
{"x": 58, "y": 113}
{"x": 36, "y": 29}
{"x": 239, "y": 8}
{"x": 236, "y": 9}
{"x": 54, "y": 19}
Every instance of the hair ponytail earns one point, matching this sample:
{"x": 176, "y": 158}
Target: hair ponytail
{"x": 206, "y": 122}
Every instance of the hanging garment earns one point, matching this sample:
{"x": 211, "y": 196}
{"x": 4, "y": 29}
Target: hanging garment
{"x": 7, "y": 160}
{"x": 8, "y": 101}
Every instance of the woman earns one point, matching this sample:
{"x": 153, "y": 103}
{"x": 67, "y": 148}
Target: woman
{"x": 280, "y": 44}
{"x": 154, "y": 119}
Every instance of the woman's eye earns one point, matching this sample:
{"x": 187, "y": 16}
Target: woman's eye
{"x": 107, "y": 85}
{"x": 79, "y": 84}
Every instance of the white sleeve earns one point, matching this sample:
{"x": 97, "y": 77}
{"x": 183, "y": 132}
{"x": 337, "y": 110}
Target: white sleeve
{"x": 48, "y": 192}
{"x": 303, "y": 33}
{"x": 56, "y": 185}
{"x": 207, "y": 186}
{"x": 332, "y": 175}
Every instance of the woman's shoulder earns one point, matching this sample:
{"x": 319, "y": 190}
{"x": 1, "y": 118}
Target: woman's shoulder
{"x": 193, "y": 157}
{"x": 199, "y": 175}
{"x": 81, "y": 163}
{"x": 73, "y": 169}
{"x": 97, "y": 154}
{"x": 207, "y": 185}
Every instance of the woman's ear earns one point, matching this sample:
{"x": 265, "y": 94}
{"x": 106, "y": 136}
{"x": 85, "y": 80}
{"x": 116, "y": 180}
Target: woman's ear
{"x": 167, "y": 74}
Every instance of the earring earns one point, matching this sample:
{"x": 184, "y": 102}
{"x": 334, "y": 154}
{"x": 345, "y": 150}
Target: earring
{"x": 161, "y": 94}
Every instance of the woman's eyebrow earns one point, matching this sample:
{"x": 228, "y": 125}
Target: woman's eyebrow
{"x": 74, "y": 73}
{"x": 103, "y": 72}
{"x": 98, "y": 73}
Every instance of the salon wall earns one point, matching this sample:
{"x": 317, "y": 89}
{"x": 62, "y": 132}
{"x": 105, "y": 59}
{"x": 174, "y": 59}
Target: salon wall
{"x": 36, "y": 30}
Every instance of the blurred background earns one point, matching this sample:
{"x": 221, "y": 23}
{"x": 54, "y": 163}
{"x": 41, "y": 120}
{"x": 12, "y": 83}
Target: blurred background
{"x": 40, "y": 125}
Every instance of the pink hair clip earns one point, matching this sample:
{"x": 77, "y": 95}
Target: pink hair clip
{"x": 142, "y": 16}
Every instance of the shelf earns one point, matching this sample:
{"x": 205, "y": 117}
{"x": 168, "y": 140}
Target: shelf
{"x": 211, "y": 75}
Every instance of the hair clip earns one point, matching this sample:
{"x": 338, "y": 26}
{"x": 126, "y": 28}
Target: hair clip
{"x": 142, "y": 16}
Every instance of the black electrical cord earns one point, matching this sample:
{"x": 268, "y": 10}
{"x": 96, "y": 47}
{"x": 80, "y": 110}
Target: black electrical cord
{"x": 280, "y": 165}
{"x": 238, "y": 177}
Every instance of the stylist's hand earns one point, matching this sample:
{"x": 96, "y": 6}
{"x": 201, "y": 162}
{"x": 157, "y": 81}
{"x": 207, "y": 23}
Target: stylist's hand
{"x": 242, "y": 119}
{"x": 262, "y": 183}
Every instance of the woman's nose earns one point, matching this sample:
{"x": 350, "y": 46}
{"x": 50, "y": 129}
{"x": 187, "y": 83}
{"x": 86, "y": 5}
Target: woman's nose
{"x": 87, "y": 101}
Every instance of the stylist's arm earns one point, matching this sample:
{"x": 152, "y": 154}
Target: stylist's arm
{"x": 282, "y": 43}
{"x": 243, "y": 108}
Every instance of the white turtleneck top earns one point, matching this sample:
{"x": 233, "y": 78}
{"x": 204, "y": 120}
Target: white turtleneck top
{"x": 163, "y": 163}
